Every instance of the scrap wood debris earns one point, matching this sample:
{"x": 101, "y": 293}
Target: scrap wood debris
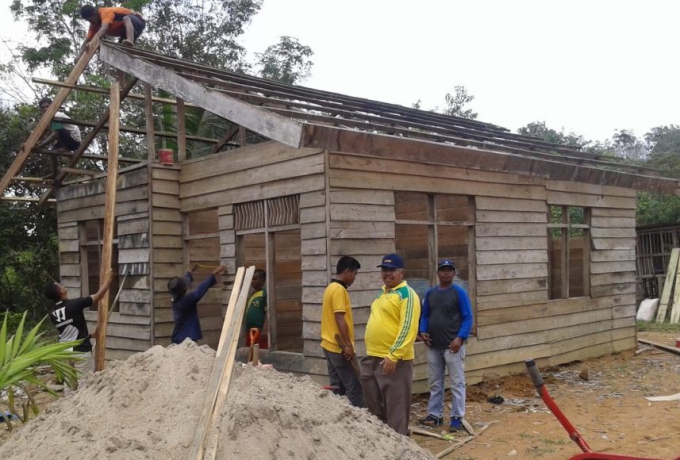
{"x": 461, "y": 443}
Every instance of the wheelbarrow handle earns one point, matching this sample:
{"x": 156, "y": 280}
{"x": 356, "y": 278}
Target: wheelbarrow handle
{"x": 534, "y": 373}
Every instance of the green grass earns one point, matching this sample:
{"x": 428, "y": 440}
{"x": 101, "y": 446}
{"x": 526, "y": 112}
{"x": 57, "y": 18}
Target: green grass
{"x": 652, "y": 326}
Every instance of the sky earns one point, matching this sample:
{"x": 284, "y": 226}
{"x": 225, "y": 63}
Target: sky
{"x": 590, "y": 67}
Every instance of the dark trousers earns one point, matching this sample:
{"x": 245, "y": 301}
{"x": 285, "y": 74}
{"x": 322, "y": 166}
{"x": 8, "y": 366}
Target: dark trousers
{"x": 65, "y": 140}
{"x": 388, "y": 397}
{"x": 342, "y": 376}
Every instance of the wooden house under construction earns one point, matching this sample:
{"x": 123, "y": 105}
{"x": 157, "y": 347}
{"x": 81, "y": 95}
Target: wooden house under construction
{"x": 543, "y": 235}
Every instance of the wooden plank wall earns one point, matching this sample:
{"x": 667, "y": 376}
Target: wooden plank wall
{"x": 167, "y": 247}
{"x": 263, "y": 171}
{"x": 129, "y": 328}
{"x": 515, "y": 318}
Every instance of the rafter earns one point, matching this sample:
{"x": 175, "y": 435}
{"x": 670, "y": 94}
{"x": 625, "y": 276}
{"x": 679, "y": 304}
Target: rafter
{"x": 88, "y": 140}
{"x": 267, "y": 124}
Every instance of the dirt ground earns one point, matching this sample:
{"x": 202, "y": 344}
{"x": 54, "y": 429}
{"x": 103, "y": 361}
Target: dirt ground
{"x": 609, "y": 410}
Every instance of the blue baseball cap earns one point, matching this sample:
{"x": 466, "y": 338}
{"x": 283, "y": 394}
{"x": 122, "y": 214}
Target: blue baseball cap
{"x": 446, "y": 263}
{"x": 392, "y": 261}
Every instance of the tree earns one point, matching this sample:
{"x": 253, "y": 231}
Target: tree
{"x": 626, "y": 145}
{"x": 663, "y": 145}
{"x": 287, "y": 62}
{"x": 456, "y": 104}
{"x": 204, "y": 32}
{"x": 540, "y": 130}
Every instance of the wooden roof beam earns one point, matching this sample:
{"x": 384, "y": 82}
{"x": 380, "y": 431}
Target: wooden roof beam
{"x": 88, "y": 140}
{"x": 82, "y": 172}
{"x": 302, "y": 91}
{"x": 24, "y": 199}
{"x": 130, "y": 129}
{"x": 94, "y": 89}
{"x": 380, "y": 145}
{"x": 267, "y": 124}
{"x": 419, "y": 121}
{"x": 31, "y": 180}
{"x": 87, "y": 156}
{"x": 46, "y": 118}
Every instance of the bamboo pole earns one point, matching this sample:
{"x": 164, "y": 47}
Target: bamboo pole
{"x": 109, "y": 222}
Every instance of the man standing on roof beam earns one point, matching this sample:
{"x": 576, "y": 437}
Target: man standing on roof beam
{"x": 123, "y": 23}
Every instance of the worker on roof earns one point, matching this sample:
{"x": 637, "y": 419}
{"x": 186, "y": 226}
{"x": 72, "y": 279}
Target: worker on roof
{"x": 184, "y": 305}
{"x": 65, "y": 136}
{"x": 123, "y": 23}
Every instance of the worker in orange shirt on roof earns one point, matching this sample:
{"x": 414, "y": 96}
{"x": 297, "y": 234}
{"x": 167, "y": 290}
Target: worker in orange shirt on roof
{"x": 123, "y": 23}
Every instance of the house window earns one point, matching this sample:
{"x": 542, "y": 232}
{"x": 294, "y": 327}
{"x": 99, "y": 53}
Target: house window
{"x": 92, "y": 232}
{"x": 430, "y": 228}
{"x": 268, "y": 236}
{"x": 569, "y": 252}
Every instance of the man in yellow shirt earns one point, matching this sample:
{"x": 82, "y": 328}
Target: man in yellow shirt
{"x": 336, "y": 319}
{"x": 387, "y": 370}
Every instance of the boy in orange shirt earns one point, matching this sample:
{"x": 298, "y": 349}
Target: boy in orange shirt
{"x": 123, "y": 23}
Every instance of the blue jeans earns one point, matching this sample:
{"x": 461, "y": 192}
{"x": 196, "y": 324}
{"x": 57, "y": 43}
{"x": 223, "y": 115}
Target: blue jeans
{"x": 437, "y": 362}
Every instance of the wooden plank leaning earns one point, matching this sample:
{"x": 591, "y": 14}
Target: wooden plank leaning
{"x": 109, "y": 222}
{"x": 675, "y": 310}
{"x": 668, "y": 285}
{"x": 221, "y": 374}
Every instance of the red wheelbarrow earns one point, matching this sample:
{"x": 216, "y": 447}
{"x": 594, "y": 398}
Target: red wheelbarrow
{"x": 573, "y": 432}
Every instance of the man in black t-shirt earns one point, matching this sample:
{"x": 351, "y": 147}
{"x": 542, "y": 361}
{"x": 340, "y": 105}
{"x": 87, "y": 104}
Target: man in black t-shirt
{"x": 68, "y": 317}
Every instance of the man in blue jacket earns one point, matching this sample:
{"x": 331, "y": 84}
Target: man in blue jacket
{"x": 445, "y": 324}
{"x": 184, "y": 305}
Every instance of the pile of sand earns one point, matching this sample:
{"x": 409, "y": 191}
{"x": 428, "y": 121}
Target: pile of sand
{"x": 147, "y": 407}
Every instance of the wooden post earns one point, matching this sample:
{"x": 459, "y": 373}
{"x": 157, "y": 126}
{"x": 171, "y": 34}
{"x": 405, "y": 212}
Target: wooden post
{"x": 242, "y": 136}
{"x": 564, "y": 268}
{"x": 148, "y": 110}
{"x": 109, "y": 222}
{"x": 181, "y": 131}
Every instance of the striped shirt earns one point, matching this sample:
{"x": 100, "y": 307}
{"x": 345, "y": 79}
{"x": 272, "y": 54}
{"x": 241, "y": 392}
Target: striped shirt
{"x": 393, "y": 324}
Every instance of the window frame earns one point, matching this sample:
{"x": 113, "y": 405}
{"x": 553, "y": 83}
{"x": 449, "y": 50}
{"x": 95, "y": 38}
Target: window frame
{"x": 566, "y": 226}
{"x": 85, "y": 244}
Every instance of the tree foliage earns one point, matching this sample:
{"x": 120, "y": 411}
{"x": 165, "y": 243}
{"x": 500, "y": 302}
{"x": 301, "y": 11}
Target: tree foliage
{"x": 288, "y": 61}
{"x": 457, "y": 102}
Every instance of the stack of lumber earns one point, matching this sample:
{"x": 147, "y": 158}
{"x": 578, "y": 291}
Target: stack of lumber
{"x": 671, "y": 292}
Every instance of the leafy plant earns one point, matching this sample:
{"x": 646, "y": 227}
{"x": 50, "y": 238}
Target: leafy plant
{"x": 19, "y": 360}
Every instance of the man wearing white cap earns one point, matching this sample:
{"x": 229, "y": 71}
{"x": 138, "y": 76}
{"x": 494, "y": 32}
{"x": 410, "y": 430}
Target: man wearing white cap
{"x": 445, "y": 324}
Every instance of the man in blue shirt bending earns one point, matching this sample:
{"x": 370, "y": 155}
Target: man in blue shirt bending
{"x": 184, "y": 305}
{"x": 445, "y": 323}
